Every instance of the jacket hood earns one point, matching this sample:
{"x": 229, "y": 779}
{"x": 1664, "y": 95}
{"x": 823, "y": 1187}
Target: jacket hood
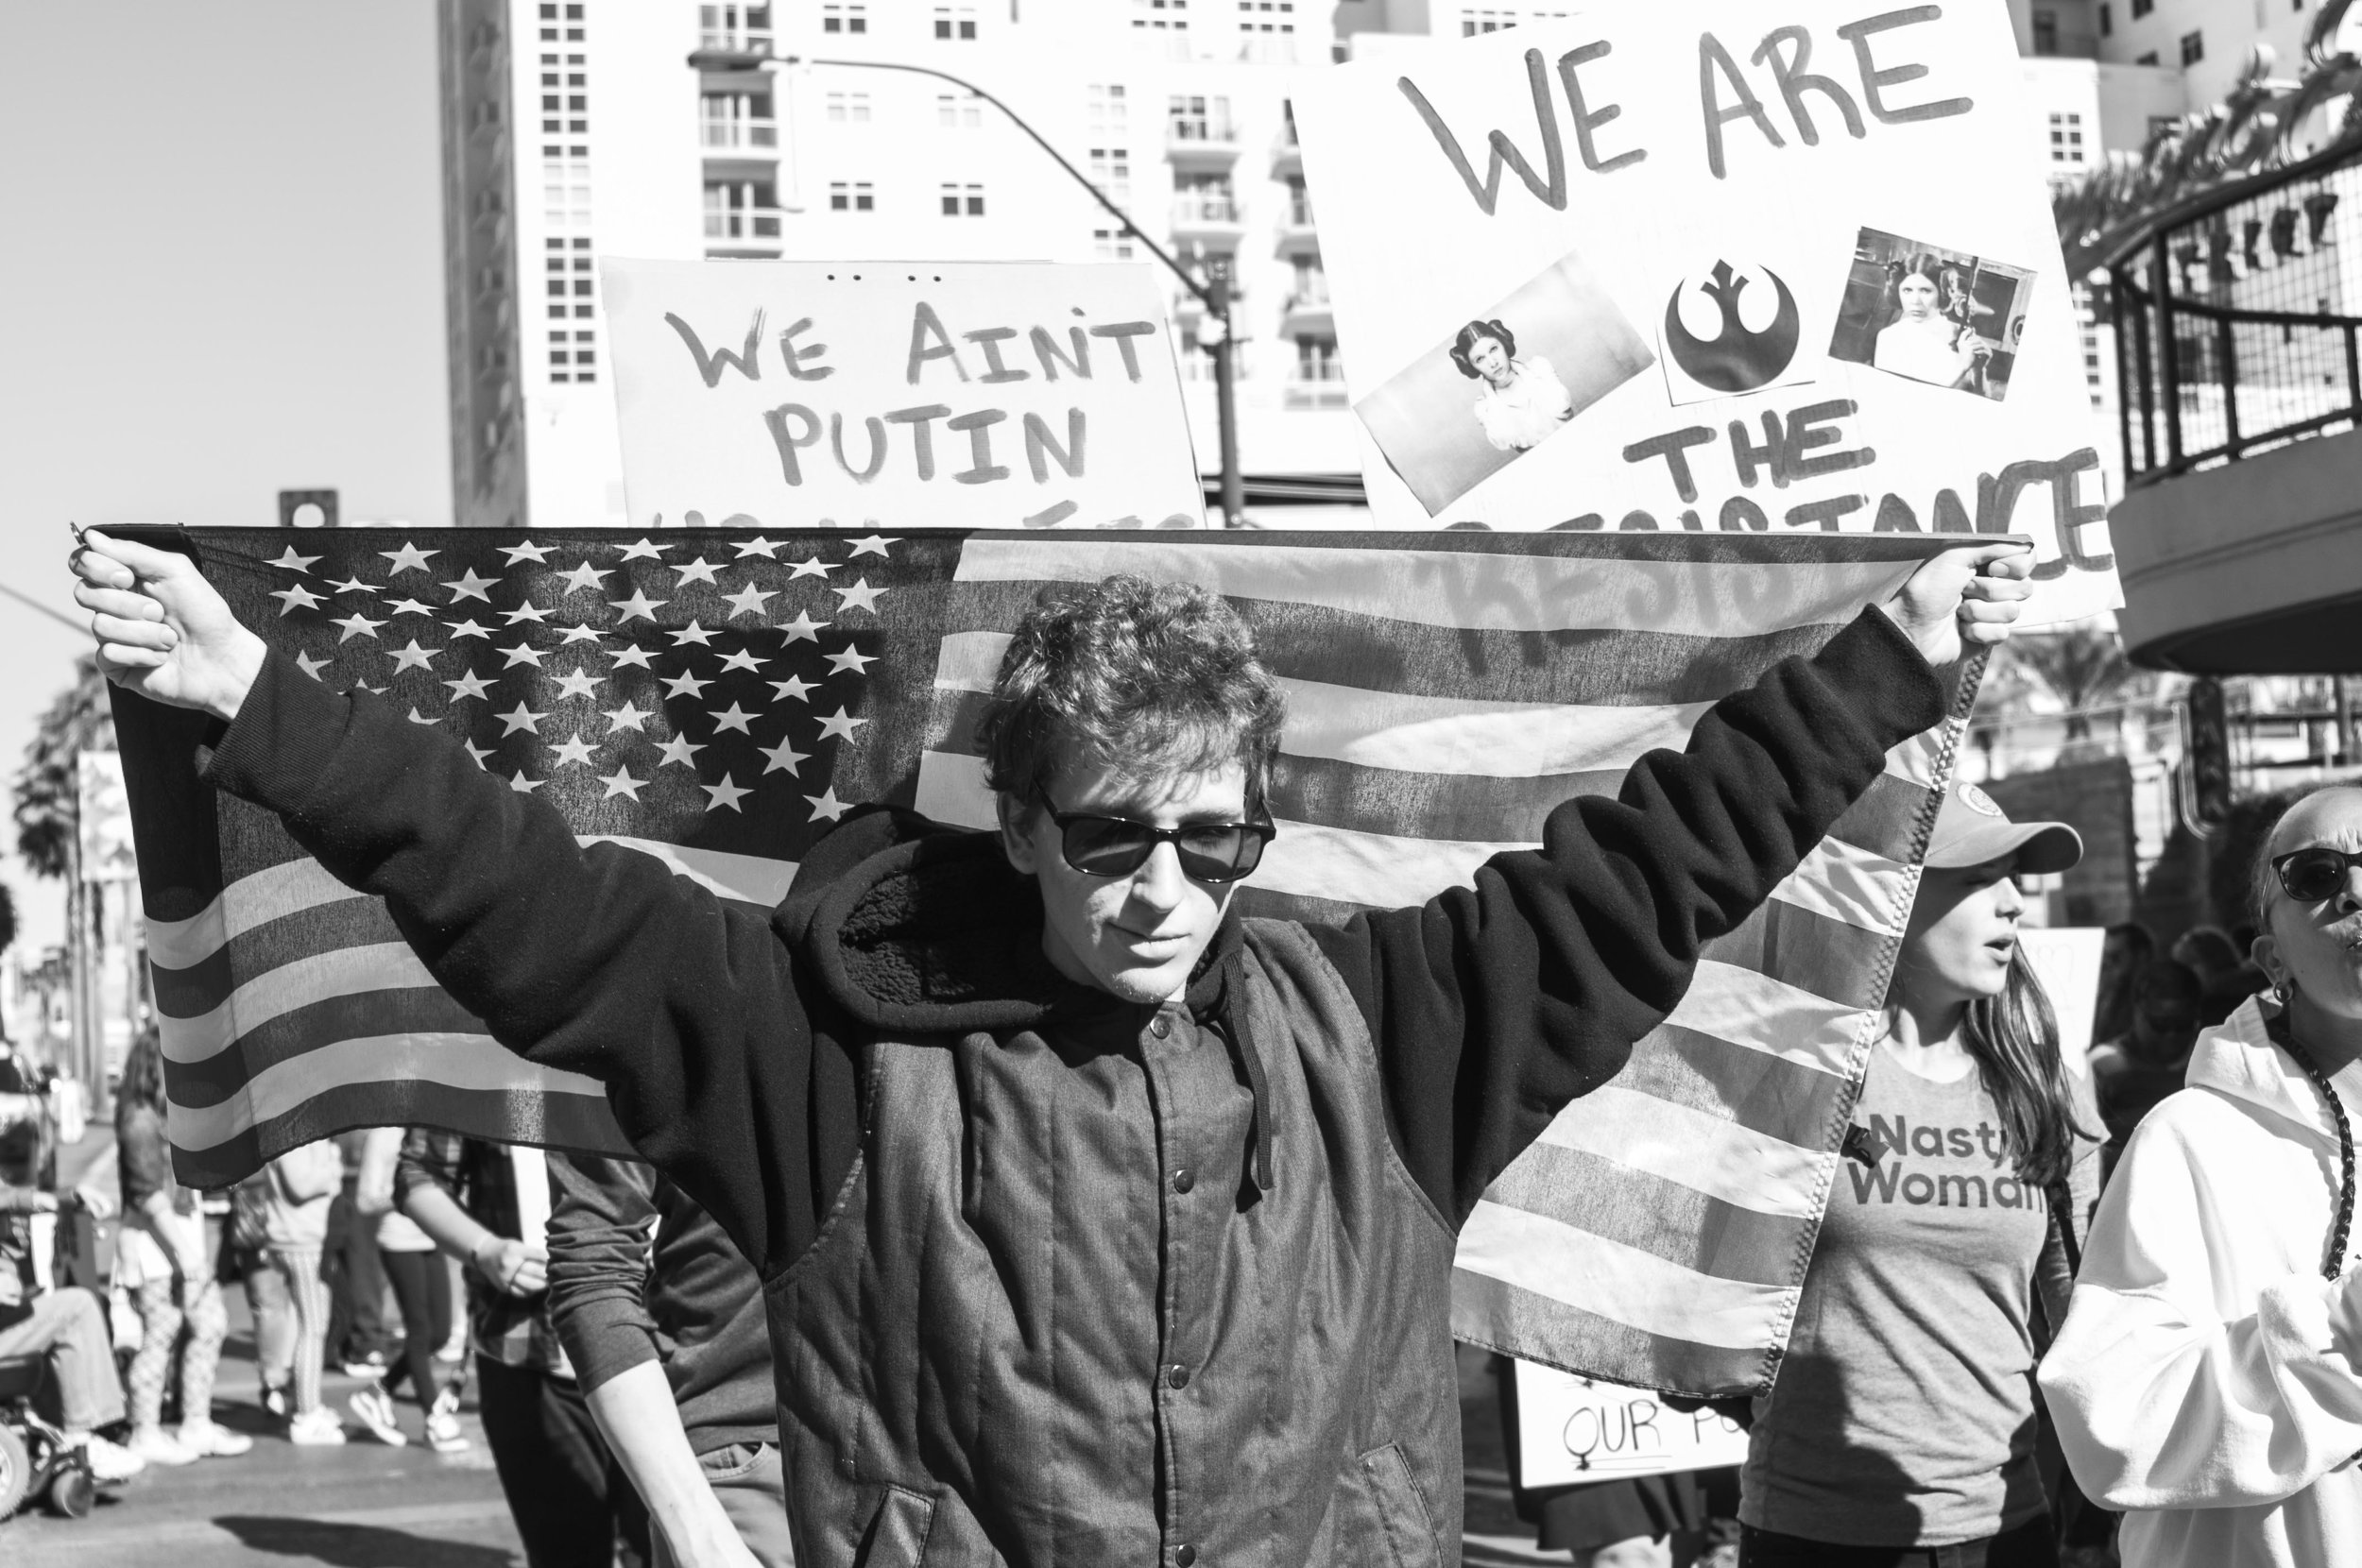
{"x": 2237, "y": 1059}
{"x": 915, "y": 928}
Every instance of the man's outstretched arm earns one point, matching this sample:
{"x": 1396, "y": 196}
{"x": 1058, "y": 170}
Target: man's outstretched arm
{"x": 597, "y": 961}
{"x": 1493, "y": 1006}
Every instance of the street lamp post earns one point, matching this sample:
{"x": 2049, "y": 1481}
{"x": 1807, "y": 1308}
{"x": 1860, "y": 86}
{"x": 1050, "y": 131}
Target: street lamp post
{"x": 1213, "y": 293}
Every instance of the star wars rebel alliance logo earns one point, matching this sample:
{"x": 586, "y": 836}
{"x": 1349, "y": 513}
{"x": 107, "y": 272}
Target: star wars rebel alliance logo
{"x": 1735, "y": 359}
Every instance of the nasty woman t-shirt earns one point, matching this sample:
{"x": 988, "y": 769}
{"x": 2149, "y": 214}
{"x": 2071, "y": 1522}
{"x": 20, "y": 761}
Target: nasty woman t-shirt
{"x": 1903, "y": 1412}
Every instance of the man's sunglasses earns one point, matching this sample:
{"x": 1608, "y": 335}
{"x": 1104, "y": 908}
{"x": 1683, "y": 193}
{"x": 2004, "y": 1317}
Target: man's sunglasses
{"x": 2309, "y": 876}
{"x": 1112, "y": 846}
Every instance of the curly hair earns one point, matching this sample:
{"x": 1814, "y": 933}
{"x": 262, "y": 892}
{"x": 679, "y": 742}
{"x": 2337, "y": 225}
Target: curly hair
{"x": 1464, "y": 344}
{"x": 1151, "y": 679}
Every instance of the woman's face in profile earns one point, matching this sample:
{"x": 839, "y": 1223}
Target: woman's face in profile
{"x": 1964, "y": 928}
{"x": 1490, "y": 359}
{"x": 1918, "y": 294}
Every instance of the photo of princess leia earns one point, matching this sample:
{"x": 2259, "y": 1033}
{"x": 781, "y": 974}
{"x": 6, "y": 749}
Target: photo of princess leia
{"x": 1925, "y": 342}
{"x": 1518, "y": 401}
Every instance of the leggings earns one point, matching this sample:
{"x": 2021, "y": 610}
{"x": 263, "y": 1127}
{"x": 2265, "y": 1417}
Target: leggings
{"x": 422, "y": 1286}
{"x": 274, "y": 1321}
{"x": 299, "y": 1268}
{"x": 165, "y": 1304}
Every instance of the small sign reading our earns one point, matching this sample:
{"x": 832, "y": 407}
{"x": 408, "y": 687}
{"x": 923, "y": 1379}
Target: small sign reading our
{"x": 1572, "y": 1429}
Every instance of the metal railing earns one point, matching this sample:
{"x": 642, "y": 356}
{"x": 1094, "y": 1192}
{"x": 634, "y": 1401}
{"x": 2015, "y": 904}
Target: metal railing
{"x": 738, "y": 133}
{"x": 735, "y": 41}
{"x": 743, "y": 223}
{"x": 2238, "y": 323}
{"x": 1190, "y": 211}
{"x": 1203, "y": 129}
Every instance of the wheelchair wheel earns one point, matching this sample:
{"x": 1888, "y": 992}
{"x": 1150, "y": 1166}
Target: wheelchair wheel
{"x": 16, "y": 1469}
{"x": 72, "y": 1492}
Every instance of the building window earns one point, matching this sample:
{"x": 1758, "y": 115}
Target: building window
{"x": 732, "y": 28}
{"x": 958, "y": 112}
{"x": 1111, "y": 171}
{"x": 1195, "y": 117}
{"x": 847, "y": 17}
{"x": 955, "y": 22}
{"x": 568, "y": 282}
{"x": 2106, "y": 20}
{"x": 1267, "y": 30}
{"x": 1488, "y": 20}
{"x": 962, "y": 201}
{"x": 2046, "y": 32}
{"x": 565, "y": 93}
{"x": 849, "y": 107}
{"x": 1163, "y": 26}
{"x": 1112, "y": 245}
{"x": 2066, "y": 139}
{"x": 1316, "y": 360}
{"x": 554, "y": 15}
{"x": 730, "y": 120}
{"x": 740, "y": 211}
{"x": 1299, "y": 203}
{"x": 852, "y": 197}
{"x": 2192, "y": 48}
{"x": 1109, "y": 109}
{"x": 1205, "y": 199}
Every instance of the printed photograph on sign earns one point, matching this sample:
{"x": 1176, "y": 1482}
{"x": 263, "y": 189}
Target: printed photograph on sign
{"x": 1931, "y": 314}
{"x": 1504, "y": 383}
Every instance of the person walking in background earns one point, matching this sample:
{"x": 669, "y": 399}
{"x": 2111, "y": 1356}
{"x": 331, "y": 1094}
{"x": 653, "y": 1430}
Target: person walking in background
{"x": 1902, "y": 1423}
{"x": 2134, "y": 1071}
{"x": 675, "y": 1357}
{"x": 303, "y": 1182}
{"x": 246, "y": 1257}
{"x": 2225, "y": 979}
{"x": 2209, "y": 1380}
{"x": 357, "y": 1338}
{"x": 162, "y": 1258}
{"x": 2126, "y": 950}
{"x": 423, "y": 1287}
{"x": 573, "y": 1505}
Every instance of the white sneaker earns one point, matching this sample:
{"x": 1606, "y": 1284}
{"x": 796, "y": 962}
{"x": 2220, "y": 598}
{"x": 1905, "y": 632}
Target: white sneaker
{"x": 154, "y": 1445}
{"x": 444, "y": 1435}
{"x": 374, "y": 1408}
{"x": 316, "y": 1427}
{"x": 211, "y": 1440}
{"x": 111, "y": 1461}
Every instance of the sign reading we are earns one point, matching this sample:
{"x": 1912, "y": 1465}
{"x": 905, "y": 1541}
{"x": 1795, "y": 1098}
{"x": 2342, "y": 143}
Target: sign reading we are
{"x": 808, "y": 394}
{"x": 1715, "y": 267}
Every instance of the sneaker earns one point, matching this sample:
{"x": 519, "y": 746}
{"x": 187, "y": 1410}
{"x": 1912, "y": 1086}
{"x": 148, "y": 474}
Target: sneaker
{"x": 374, "y": 1408}
{"x": 274, "y": 1401}
{"x": 443, "y": 1433}
{"x": 154, "y": 1445}
{"x": 372, "y": 1366}
{"x": 316, "y": 1427}
{"x": 109, "y": 1461}
{"x": 211, "y": 1440}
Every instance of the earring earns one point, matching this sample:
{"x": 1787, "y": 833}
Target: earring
{"x": 2280, "y": 993}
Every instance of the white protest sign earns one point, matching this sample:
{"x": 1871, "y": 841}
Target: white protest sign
{"x": 1711, "y": 266}
{"x": 1572, "y": 1429}
{"x": 2066, "y": 960}
{"x": 898, "y": 394}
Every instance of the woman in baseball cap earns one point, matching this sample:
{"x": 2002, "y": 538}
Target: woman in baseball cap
{"x": 1903, "y": 1421}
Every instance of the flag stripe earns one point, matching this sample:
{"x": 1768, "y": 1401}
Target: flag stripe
{"x": 345, "y": 972}
{"x": 1726, "y": 1160}
{"x": 1468, "y": 737}
{"x": 754, "y": 879}
{"x": 280, "y": 890}
{"x": 1497, "y": 592}
{"x": 1660, "y": 1216}
{"x": 527, "y": 1113}
{"x": 1748, "y": 1009}
{"x": 1499, "y": 1315}
{"x": 1716, "y": 1077}
{"x": 470, "y": 1062}
{"x": 1806, "y": 949}
{"x": 1621, "y": 1283}
{"x": 397, "y": 1010}
{"x": 350, "y": 922}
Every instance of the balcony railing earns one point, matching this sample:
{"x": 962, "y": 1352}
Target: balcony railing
{"x": 753, "y": 41}
{"x": 2235, "y": 327}
{"x": 1307, "y": 303}
{"x": 1209, "y": 130}
{"x": 740, "y": 135}
{"x": 1199, "y": 212}
{"x": 1315, "y": 386}
{"x": 744, "y": 225}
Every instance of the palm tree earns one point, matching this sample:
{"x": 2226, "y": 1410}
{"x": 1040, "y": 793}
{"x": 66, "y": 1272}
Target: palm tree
{"x": 48, "y": 816}
{"x": 2082, "y": 666}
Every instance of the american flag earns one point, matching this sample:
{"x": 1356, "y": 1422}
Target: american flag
{"x": 719, "y": 699}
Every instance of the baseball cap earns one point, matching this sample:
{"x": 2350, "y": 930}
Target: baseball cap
{"x": 1973, "y": 829}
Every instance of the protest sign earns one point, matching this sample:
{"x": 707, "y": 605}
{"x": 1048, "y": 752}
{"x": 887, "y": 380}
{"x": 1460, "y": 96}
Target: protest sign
{"x": 1572, "y": 1429}
{"x": 2066, "y": 960}
{"x": 898, "y": 395}
{"x": 1711, "y": 268}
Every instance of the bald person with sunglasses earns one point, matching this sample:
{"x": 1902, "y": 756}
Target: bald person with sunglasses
{"x": 1096, "y": 1223}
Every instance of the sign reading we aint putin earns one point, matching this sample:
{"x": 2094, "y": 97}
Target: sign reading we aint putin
{"x": 1721, "y": 266}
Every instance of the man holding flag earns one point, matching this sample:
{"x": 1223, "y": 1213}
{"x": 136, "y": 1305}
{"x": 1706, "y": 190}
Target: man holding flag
{"x": 1095, "y": 1222}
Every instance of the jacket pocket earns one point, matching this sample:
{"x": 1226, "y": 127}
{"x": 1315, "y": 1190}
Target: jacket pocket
{"x": 898, "y": 1531}
{"x": 1402, "y": 1513}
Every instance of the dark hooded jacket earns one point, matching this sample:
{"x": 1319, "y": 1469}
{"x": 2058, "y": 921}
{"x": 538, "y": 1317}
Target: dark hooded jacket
{"x": 1054, "y": 1278}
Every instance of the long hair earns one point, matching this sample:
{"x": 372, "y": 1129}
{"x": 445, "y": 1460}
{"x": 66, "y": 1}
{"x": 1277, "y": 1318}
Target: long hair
{"x": 2014, "y": 1038}
{"x": 143, "y": 1082}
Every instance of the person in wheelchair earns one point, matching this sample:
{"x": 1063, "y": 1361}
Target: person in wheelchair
{"x": 68, "y": 1327}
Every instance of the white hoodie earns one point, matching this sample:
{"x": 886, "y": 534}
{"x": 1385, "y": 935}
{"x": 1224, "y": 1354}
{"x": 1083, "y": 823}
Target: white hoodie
{"x": 2209, "y": 1380}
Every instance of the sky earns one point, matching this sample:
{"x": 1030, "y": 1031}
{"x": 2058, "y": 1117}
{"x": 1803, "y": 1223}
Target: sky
{"x": 221, "y": 238}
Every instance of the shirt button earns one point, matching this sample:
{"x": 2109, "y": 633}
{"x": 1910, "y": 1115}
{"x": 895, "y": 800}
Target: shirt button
{"x": 1177, "y": 1378}
{"x": 1184, "y": 1555}
{"x": 1184, "y": 1179}
{"x": 1159, "y": 1028}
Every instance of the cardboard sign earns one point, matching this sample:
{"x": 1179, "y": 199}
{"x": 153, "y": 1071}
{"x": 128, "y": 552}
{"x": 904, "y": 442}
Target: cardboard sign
{"x": 2066, "y": 960}
{"x": 1572, "y": 1429}
{"x": 1711, "y": 268}
{"x": 898, "y": 395}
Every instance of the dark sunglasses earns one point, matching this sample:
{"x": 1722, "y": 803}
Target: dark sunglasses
{"x": 1112, "y": 846}
{"x": 2309, "y": 876}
